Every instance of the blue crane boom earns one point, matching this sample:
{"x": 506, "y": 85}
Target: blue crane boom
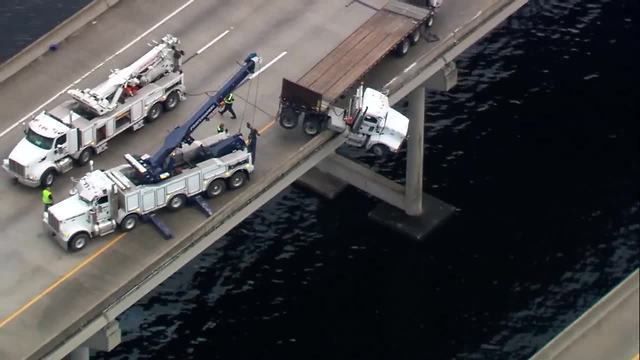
{"x": 152, "y": 167}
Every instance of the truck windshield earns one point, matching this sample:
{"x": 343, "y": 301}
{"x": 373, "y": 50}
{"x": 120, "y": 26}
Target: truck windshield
{"x": 39, "y": 140}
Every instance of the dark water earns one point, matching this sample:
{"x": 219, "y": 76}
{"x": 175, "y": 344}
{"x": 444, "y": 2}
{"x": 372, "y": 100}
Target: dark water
{"x": 24, "y": 21}
{"x": 538, "y": 146}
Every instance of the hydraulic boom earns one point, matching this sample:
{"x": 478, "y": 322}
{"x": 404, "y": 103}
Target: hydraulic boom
{"x": 158, "y": 166}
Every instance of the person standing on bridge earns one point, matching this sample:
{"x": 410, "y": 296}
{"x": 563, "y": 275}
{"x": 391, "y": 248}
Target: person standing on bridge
{"x": 253, "y": 142}
{"x": 47, "y": 198}
{"x": 228, "y": 105}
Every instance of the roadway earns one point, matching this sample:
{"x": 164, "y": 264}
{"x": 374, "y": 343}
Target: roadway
{"x": 45, "y": 293}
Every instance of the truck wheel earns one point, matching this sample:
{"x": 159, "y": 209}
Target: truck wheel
{"x": 47, "y": 178}
{"x": 84, "y": 157}
{"x": 154, "y": 112}
{"x": 288, "y": 118}
{"x": 177, "y": 202}
{"x": 78, "y": 241}
{"x": 415, "y": 36}
{"x": 237, "y": 179}
{"x": 402, "y": 48}
{"x": 129, "y": 222}
{"x": 380, "y": 150}
{"x": 215, "y": 188}
{"x": 311, "y": 127}
{"x": 172, "y": 101}
{"x": 429, "y": 22}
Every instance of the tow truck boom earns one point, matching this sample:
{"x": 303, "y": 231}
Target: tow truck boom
{"x": 153, "y": 167}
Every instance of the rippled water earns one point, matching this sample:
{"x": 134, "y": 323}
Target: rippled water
{"x": 537, "y": 146}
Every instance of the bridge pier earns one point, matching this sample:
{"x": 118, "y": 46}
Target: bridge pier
{"x": 406, "y": 209}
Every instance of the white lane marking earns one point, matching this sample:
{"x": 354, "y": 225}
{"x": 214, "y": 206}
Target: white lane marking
{"x": 390, "y": 81}
{"x": 269, "y": 64}
{"x": 409, "y": 68}
{"x": 98, "y": 66}
{"x": 213, "y": 41}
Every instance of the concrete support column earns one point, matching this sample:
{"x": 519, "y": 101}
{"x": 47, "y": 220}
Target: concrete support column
{"x": 81, "y": 353}
{"x": 415, "y": 152}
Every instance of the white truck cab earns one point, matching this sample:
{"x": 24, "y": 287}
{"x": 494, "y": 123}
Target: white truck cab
{"x": 377, "y": 126}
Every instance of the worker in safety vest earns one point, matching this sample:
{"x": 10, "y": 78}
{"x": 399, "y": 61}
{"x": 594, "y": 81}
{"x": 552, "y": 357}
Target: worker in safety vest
{"x": 47, "y": 198}
{"x": 222, "y": 129}
{"x": 228, "y": 105}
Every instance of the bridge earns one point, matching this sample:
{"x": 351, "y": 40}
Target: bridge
{"x": 53, "y": 303}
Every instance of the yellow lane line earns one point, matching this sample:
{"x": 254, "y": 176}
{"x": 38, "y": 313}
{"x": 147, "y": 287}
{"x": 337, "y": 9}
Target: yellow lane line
{"x": 57, "y": 283}
{"x": 266, "y": 127}
{"x": 80, "y": 266}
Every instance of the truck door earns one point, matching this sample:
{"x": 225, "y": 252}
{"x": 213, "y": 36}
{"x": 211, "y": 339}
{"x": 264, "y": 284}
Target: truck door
{"x": 60, "y": 147}
{"x": 369, "y": 125}
{"x": 103, "y": 209}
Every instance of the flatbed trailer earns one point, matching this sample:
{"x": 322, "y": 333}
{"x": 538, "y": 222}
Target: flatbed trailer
{"x": 395, "y": 24}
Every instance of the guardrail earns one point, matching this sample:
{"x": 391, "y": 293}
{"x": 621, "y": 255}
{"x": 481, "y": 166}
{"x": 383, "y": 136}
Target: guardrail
{"x": 58, "y": 34}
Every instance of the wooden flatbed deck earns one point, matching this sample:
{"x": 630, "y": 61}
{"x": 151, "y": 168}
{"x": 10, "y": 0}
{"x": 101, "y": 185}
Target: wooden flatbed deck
{"x": 363, "y": 49}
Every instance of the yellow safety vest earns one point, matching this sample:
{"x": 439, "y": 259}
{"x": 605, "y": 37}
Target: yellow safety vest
{"x": 46, "y": 197}
{"x": 228, "y": 99}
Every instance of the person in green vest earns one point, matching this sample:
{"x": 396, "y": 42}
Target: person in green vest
{"x": 222, "y": 129}
{"x": 228, "y": 105}
{"x": 47, "y": 198}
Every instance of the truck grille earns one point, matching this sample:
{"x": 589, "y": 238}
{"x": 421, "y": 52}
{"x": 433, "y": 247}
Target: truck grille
{"x": 53, "y": 222}
{"x": 16, "y": 167}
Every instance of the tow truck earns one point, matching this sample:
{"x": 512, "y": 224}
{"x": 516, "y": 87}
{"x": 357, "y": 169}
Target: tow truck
{"x": 371, "y": 122}
{"x": 182, "y": 169}
{"x": 75, "y": 130}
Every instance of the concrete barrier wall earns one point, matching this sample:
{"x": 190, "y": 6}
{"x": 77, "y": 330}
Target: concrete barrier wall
{"x": 55, "y": 36}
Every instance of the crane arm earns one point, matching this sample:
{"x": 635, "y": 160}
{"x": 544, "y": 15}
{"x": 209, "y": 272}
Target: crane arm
{"x": 155, "y": 165}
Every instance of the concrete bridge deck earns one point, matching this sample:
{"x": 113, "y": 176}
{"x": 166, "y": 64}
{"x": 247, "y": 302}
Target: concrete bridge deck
{"x": 51, "y": 301}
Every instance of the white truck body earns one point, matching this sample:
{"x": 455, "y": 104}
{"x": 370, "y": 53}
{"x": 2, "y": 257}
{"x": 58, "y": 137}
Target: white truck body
{"x": 102, "y": 200}
{"x": 76, "y": 129}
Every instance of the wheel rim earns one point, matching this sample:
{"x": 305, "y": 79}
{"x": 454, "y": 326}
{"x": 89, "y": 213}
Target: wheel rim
{"x": 80, "y": 242}
{"x": 154, "y": 112}
{"x": 172, "y": 101}
{"x": 405, "y": 47}
{"x": 287, "y": 122}
{"x": 377, "y": 150}
{"x": 415, "y": 37}
{"x": 129, "y": 223}
{"x": 237, "y": 180}
{"x": 84, "y": 157}
{"x": 430, "y": 21}
{"x": 310, "y": 128}
{"x": 176, "y": 202}
{"x": 215, "y": 189}
{"x": 48, "y": 180}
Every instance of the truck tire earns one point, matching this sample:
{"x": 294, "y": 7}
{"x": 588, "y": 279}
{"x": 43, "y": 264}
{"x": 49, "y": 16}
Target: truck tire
{"x": 288, "y": 118}
{"x": 380, "y": 150}
{"x": 237, "y": 179}
{"x": 311, "y": 126}
{"x": 154, "y": 112}
{"x": 429, "y": 22}
{"x": 177, "y": 202}
{"x": 215, "y": 188}
{"x": 47, "y": 178}
{"x": 415, "y": 36}
{"x": 78, "y": 241}
{"x": 171, "y": 101}
{"x": 402, "y": 48}
{"x": 84, "y": 157}
{"x": 129, "y": 222}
